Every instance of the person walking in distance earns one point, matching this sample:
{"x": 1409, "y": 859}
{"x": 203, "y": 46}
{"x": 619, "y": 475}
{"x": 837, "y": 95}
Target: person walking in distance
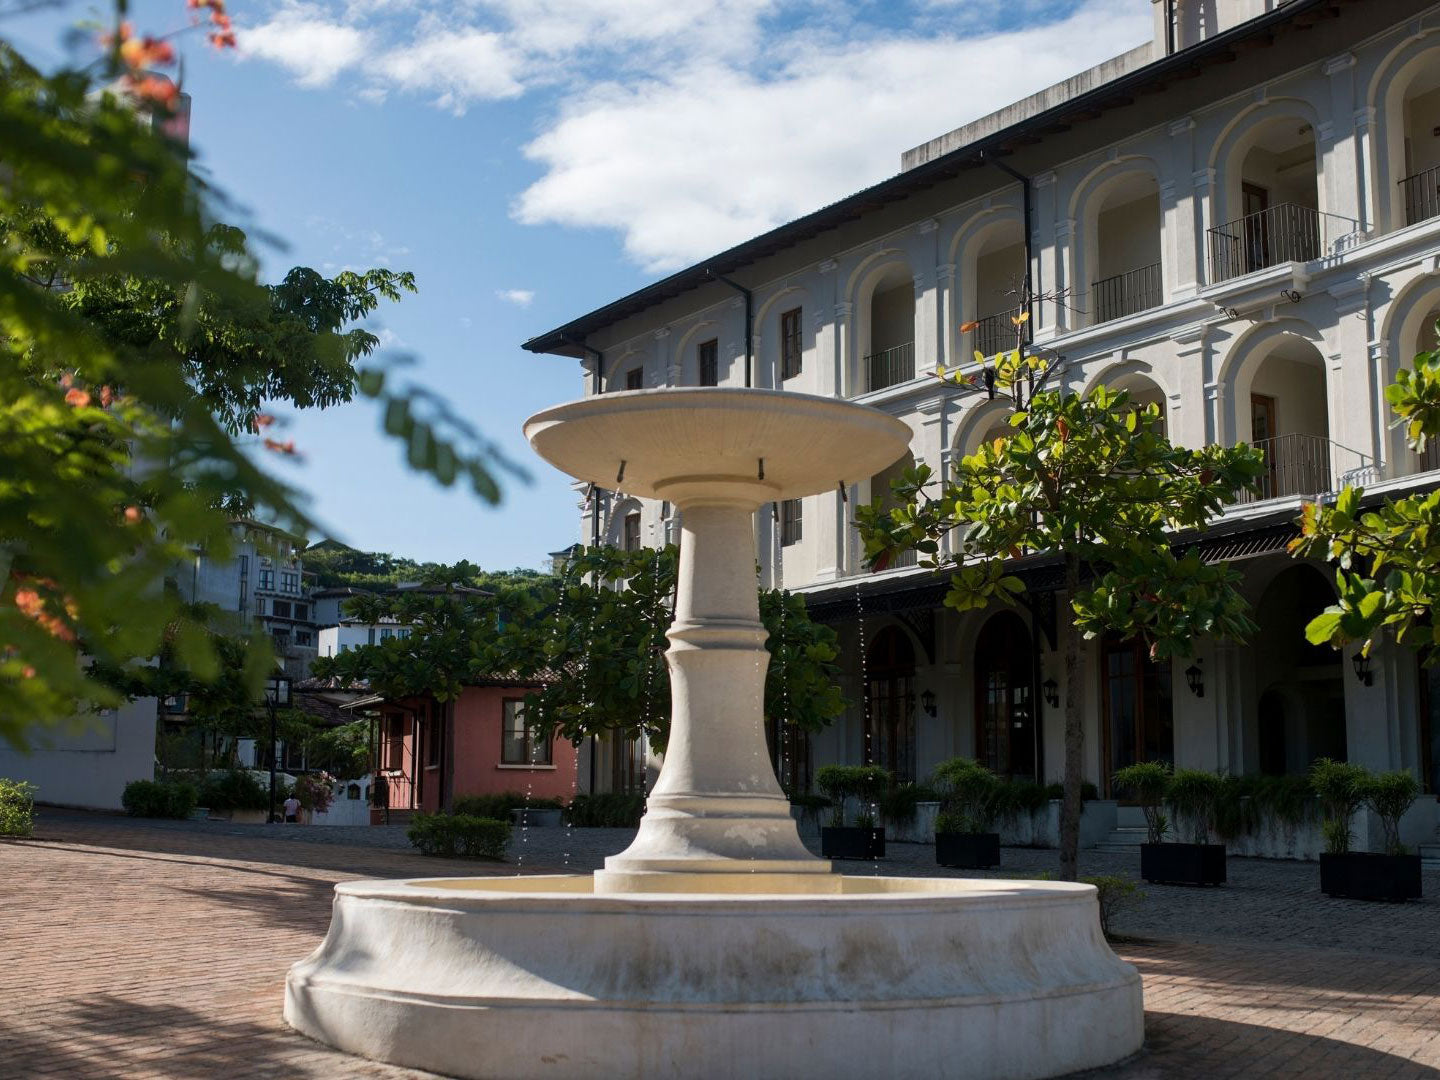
{"x": 292, "y": 810}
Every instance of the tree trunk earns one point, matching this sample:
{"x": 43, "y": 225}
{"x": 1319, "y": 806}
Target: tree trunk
{"x": 1074, "y": 730}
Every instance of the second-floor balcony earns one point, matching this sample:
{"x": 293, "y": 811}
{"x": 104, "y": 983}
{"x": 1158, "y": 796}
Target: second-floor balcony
{"x": 995, "y": 333}
{"x": 1421, "y": 195}
{"x": 1304, "y": 466}
{"x": 889, "y": 367}
{"x": 1126, "y": 294}
{"x": 1279, "y": 234}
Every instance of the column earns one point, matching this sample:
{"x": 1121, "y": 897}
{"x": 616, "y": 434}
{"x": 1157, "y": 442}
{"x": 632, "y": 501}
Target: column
{"x": 1049, "y": 256}
{"x": 1339, "y": 153}
{"x": 1184, "y": 228}
{"x": 667, "y": 368}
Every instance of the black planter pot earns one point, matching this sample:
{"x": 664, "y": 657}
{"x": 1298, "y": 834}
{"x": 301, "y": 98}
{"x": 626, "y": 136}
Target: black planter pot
{"x": 1363, "y": 875}
{"x": 1183, "y": 864}
{"x": 970, "y": 851}
{"x": 852, "y": 842}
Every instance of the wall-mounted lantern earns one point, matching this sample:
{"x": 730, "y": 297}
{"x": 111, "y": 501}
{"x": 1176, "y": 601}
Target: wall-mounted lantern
{"x": 1052, "y": 692}
{"x": 1195, "y": 679}
{"x": 1362, "y": 669}
{"x": 927, "y": 702}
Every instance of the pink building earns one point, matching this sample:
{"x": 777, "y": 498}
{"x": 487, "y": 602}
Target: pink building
{"x": 432, "y": 753}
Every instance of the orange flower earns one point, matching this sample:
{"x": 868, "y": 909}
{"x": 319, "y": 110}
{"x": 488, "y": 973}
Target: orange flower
{"x": 286, "y": 447}
{"x": 132, "y": 514}
{"x": 77, "y": 397}
{"x": 106, "y": 396}
{"x": 261, "y": 421}
{"x": 27, "y": 672}
{"x": 155, "y": 89}
{"x": 29, "y": 602}
{"x": 55, "y": 628}
{"x": 965, "y": 328}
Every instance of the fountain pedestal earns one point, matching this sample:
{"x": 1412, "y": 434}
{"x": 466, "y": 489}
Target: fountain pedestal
{"x": 716, "y": 946}
{"x": 716, "y": 807}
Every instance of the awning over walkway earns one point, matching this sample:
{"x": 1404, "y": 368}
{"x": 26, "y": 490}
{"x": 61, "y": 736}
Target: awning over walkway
{"x": 921, "y": 589}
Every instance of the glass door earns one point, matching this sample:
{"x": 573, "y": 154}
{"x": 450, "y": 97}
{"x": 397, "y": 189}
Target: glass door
{"x": 1139, "y": 707}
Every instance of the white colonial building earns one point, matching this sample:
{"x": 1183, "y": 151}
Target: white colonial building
{"x": 1239, "y": 220}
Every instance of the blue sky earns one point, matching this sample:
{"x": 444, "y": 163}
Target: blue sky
{"x": 530, "y": 160}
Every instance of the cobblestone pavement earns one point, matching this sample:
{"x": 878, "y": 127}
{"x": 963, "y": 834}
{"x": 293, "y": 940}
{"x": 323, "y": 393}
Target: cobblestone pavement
{"x": 150, "y": 949}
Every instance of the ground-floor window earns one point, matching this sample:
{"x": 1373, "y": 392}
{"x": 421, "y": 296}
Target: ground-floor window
{"x": 890, "y": 704}
{"x": 627, "y": 763}
{"x": 1004, "y": 713}
{"x": 789, "y": 747}
{"x": 520, "y": 744}
{"x": 1138, "y": 704}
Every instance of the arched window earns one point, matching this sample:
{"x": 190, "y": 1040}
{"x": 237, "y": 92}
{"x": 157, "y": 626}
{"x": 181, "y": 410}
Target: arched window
{"x": 1004, "y": 698}
{"x": 886, "y": 330}
{"x": 1125, "y": 275}
{"x": 1272, "y": 200}
{"x": 890, "y": 704}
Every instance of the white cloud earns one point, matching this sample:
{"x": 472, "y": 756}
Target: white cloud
{"x": 686, "y": 165}
{"x": 688, "y": 125}
{"x": 308, "y": 43}
{"x": 457, "y": 66}
{"x": 518, "y": 297}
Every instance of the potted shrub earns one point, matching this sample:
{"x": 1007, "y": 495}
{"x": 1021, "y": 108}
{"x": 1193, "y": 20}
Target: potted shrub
{"x": 1392, "y": 874}
{"x": 1146, "y": 783}
{"x": 964, "y": 833}
{"x": 840, "y": 783}
{"x": 1193, "y": 798}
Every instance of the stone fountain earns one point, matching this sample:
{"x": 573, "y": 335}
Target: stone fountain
{"x": 716, "y": 945}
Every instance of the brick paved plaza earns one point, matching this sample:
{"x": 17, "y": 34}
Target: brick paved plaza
{"x": 139, "y": 949}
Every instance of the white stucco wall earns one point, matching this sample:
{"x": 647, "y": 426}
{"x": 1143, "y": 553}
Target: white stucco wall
{"x": 88, "y": 761}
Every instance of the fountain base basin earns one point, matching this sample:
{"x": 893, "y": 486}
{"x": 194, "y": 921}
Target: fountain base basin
{"x": 767, "y": 975}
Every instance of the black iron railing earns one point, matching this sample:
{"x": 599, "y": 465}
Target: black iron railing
{"x": 1421, "y": 194}
{"x": 1126, "y": 294}
{"x": 890, "y": 366}
{"x": 1430, "y": 456}
{"x": 1284, "y": 233}
{"x": 1301, "y": 465}
{"x": 994, "y": 334}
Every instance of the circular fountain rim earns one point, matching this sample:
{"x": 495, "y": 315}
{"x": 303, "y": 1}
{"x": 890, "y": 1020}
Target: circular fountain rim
{"x": 854, "y": 891}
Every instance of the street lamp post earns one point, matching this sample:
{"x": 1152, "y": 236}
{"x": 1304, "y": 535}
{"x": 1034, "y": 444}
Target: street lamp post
{"x": 277, "y": 697}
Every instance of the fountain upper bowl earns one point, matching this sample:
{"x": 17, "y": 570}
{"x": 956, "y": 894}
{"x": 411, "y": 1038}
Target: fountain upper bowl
{"x": 680, "y": 442}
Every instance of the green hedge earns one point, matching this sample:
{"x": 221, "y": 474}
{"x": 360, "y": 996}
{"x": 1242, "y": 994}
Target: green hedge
{"x": 607, "y": 811}
{"x": 17, "y": 807}
{"x": 452, "y": 835}
{"x": 498, "y": 807}
{"x": 153, "y": 798}
{"x": 234, "y": 789}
